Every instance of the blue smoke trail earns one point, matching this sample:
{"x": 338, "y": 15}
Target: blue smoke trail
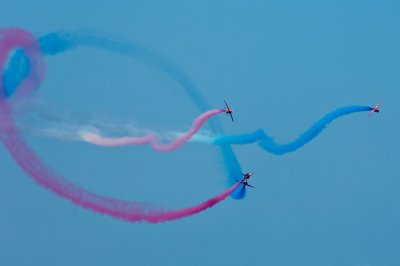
{"x": 268, "y": 144}
{"x": 57, "y": 42}
{"x": 17, "y": 70}
{"x": 239, "y": 193}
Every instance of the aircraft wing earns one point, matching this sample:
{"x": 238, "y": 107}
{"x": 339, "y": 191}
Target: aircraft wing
{"x": 231, "y": 116}
{"x": 226, "y": 104}
{"x": 370, "y": 113}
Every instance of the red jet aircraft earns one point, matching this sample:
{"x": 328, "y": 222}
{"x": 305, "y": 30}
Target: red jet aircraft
{"x": 247, "y": 175}
{"x": 375, "y": 109}
{"x": 244, "y": 181}
{"x": 228, "y": 110}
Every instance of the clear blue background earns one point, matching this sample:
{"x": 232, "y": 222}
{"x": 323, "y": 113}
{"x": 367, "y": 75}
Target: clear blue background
{"x": 281, "y": 65}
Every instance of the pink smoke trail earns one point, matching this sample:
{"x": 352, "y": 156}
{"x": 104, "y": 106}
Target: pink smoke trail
{"x": 121, "y": 209}
{"x": 151, "y": 138}
{"x": 26, "y": 158}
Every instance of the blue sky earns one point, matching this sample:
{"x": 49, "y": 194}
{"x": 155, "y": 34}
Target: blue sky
{"x": 281, "y": 66}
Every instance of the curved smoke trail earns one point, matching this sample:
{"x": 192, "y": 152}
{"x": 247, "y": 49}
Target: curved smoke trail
{"x": 152, "y": 139}
{"x": 26, "y": 158}
{"x": 125, "y": 210}
{"x": 54, "y": 43}
{"x": 58, "y": 42}
{"x": 268, "y": 143}
{"x": 26, "y": 59}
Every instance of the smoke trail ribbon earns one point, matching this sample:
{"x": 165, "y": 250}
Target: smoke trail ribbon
{"x": 30, "y": 61}
{"x": 58, "y": 42}
{"x": 268, "y": 143}
{"x": 25, "y": 71}
{"x": 151, "y": 138}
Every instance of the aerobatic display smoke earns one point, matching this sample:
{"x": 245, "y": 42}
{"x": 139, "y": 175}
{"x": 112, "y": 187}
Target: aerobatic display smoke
{"x": 151, "y": 138}
{"x": 23, "y": 68}
{"x": 268, "y": 143}
{"x": 30, "y": 61}
{"x": 57, "y": 42}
